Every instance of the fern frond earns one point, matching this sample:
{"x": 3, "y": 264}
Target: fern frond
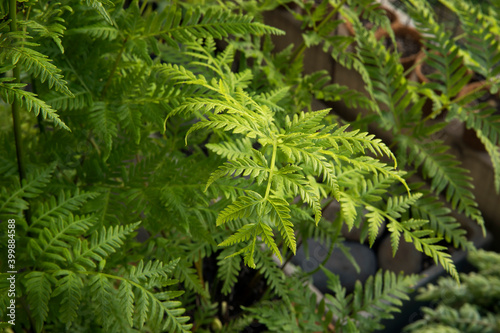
{"x": 445, "y": 173}
{"x": 481, "y": 45}
{"x": 240, "y": 208}
{"x": 39, "y": 289}
{"x": 142, "y": 306}
{"x": 126, "y": 301}
{"x": 494, "y": 153}
{"x": 430, "y": 208}
{"x": 272, "y": 98}
{"x": 306, "y": 122}
{"x": 356, "y": 141}
{"x": 98, "y": 5}
{"x": 105, "y": 124}
{"x": 293, "y": 183}
{"x": 229, "y": 269}
{"x": 380, "y": 295}
{"x": 442, "y": 52}
{"x": 81, "y": 99}
{"x": 37, "y": 63}
{"x": 227, "y": 122}
{"x": 249, "y": 231}
{"x": 189, "y": 277}
{"x": 464, "y": 319}
{"x": 65, "y": 203}
{"x": 69, "y": 286}
{"x": 423, "y": 242}
{"x": 102, "y": 244}
{"x": 319, "y": 85}
{"x": 232, "y": 150}
{"x": 253, "y": 168}
{"x": 152, "y": 270}
{"x": 10, "y": 91}
{"x": 98, "y": 30}
{"x": 13, "y": 201}
{"x": 375, "y": 220}
{"x": 190, "y": 25}
{"x": 348, "y": 208}
{"x": 275, "y": 277}
{"x": 280, "y": 216}
{"x": 396, "y": 205}
{"x": 103, "y": 295}
{"x": 317, "y": 162}
{"x": 57, "y": 237}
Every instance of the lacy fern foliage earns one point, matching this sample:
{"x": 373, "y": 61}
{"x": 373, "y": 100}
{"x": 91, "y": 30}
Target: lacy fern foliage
{"x": 175, "y": 162}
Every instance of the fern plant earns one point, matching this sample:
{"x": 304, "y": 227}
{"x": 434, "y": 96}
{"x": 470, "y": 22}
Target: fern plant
{"x": 465, "y": 307}
{"x": 161, "y": 154}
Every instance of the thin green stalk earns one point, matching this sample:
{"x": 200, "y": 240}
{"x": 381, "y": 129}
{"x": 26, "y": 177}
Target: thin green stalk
{"x": 302, "y": 47}
{"x": 115, "y": 66}
{"x": 271, "y": 170}
{"x": 456, "y": 100}
{"x": 15, "y": 104}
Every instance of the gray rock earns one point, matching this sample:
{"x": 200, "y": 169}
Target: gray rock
{"x": 407, "y": 259}
{"x": 356, "y": 233}
{"x": 338, "y": 263}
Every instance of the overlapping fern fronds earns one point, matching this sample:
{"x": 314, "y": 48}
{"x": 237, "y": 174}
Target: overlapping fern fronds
{"x": 443, "y": 54}
{"x": 377, "y": 298}
{"x": 284, "y": 161}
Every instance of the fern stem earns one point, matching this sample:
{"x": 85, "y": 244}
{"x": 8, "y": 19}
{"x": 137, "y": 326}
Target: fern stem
{"x": 301, "y": 49}
{"x": 271, "y": 169}
{"x": 115, "y": 66}
{"x": 15, "y": 104}
{"x": 458, "y": 99}
{"x": 199, "y": 268}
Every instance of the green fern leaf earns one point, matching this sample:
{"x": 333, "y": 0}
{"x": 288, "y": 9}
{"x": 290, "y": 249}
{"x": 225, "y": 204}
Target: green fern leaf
{"x": 37, "y": 63}
{"x": 245, "y": 233}
{"x": 81, "y": 99}
{"x": 229, "y": 269}
{"x": 102, "y": 292}
{"x": 142, "y": 307}
{"x": 306, "y": 122}
{"x": 102, "y": 244}
{"x": 11, "y": 91}
{"x": 430, "y": 208}
{"x": 104, "y": 122}
{"x": 445, "y": 174}
{"x": 240, "y": 208}
{"x": 244, "y": 166}
{"x": 375, "y": 220}
{"x": 189, "y": 277}
{"x": 443, "y": 54}
{"x": 39, "y": 289}
{"x": 494, "y": 153}
{"x": 98, "y": 30}
{"x": 275, "y": 277}
{"x": 13, "y": 201}
{"x": 280, "y": 216}
{"x": 232, "y": 150}
{"x": 126, "y": 301}
{"x": 98, "y": 5}
{"x": 226, "y": 122}
{"x": 481, "y": 44}
{"x": 70, "y": 288}
{"x": 152, "y": 269}
{"x": 268, "y": 238}
{"x": 380, "y": 295}
{"x": 348, "y": 209}
{"x": 190, "y": 25}
{"x": 57, "y": 237}
{"x": 65, "y": 204}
